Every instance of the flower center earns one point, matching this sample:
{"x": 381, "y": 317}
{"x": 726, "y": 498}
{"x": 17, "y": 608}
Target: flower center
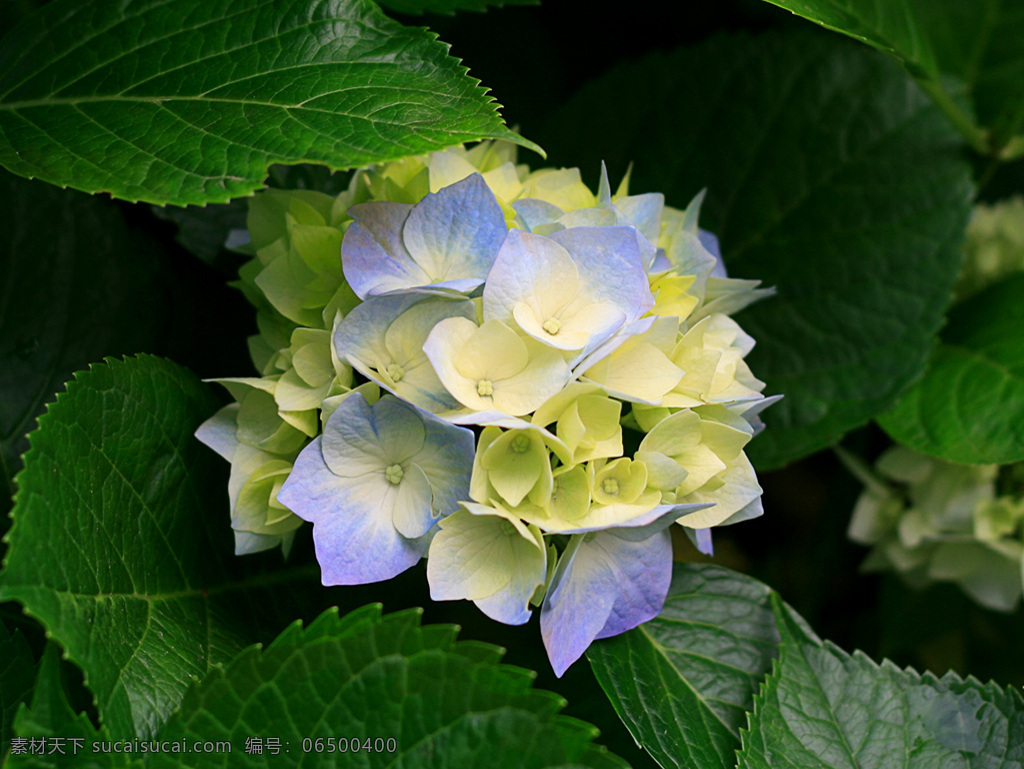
{"x": 393, "y": 474}
{"x": 610, "y": 486}
{"x": 552, "y": 325}
{"x": 520, "y": 444}
{"x": 396, "y": 372}
{"x": 484, "y": 387}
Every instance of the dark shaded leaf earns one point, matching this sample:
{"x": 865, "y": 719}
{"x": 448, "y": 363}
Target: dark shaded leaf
{"x": 829, "y": 175}
{"x": 969, "y": 405}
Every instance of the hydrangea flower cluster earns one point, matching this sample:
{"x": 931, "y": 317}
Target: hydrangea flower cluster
{"x": 498, "y": 370}
{"x": 931, "y": 520}
{"x": 995, "y": 245}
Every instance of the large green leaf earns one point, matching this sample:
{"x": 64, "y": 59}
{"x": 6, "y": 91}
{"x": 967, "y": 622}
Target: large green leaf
{"x": 76, "y": 285}
{"x": 120, "y": 545}
{"x": 969, "y": 405}
{"x": 829, "y": 175}
{"x": 366, "y": 678}
{"x": 190, "y": 101}
{"x": 448, "y": 6}
{"x": 52, "y": 734}
{"x": 956, "y": 48}
{"x": 683, "y": 682}
{"x": 822, "y": 708}
{"x": 17, "y": 674}
{"x": 361, "y": 690}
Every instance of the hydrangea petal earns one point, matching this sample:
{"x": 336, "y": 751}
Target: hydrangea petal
{"x": 533, "y": 213}
{"x": 518, "y": 372}
{"x": 488, "y": 556}
{"x": 636, "y": 521}
{"x": 359, "y": 438}
{"x": 246, "y": 542}
{"x": 455, "y": 233}
{"x": 351, "y": 519}
{"x": 644, "y": 212}
{"x": 531, "y": 270}
{"x": 373, "y": 255}
{"x": 610, "y": 260}
{"x": 446, "y": 458}
{"x": 560, "y": 290}
{"x": 413, "y": 514}
{"x": 514, "y": 463}
{"x": 603, "y": 585}
{"x": 544, "y": 375}
{"x": 739, "y": 491}
{"x": 218, "y": 432}
{"x": 494, "y": 351}
{"x": 637, "y": 371}
{"x": 383, "y": 339}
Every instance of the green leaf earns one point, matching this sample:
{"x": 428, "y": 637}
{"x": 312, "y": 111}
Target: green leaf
{"x": 17, "y": 666}
{"x": 828, "y": 175}
{"x": 956, "y": 48}
{"x": 969, "y": 405}
{"x": 76, "y": 285}
{"x": 683, "y": 682}
{"x": 449, "y": 6}
{"x": 190, "y": 101}
{"x": 370, "y": 678}
{"x": 822, "y": 708}
{"x": 52, "y": 733}
{"x": 121, "y": 547}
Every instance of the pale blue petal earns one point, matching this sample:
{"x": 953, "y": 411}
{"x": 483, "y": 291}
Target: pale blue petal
{"x": 603, "y": 586}
{"x": 366, "y": 338}
{"x": 373, "y": 257}
{"x": 701, "y": 539}
{"x": 710, "y": 241}
{"x": 644, "y": 213}
{"x": 361, "y": 439}
{"x": 508, "y": 606}
{"x": 688, "y": 256}
{"x": 361, "y": 333}
{"x": 353, "y": 533}
{"x": 490, "y": 418}
{"x": 529, "y": 269}
{"x": 570, "y": 617}
{"x": 455, "y": 233}
{"x": 447, "y": 460}
{"x": 751, "y": 410}
{"x": 533, "y": 213}
{"x": 647, "y": 571}
{"x": 611, "y": 266}
{"x": 219, "y": 431}
{"x": 661, "y": 263}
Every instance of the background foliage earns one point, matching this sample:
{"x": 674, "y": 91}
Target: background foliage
{"x": 841, "y": 172}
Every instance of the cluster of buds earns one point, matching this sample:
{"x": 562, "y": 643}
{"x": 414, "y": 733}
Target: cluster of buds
{"x": 929, "y": 520}
{"x": 496, "y": 369}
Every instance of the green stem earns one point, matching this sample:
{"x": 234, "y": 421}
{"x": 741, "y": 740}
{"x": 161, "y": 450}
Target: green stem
{"x": 977, "y": 137}
{"x": 1013, "y": 149}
